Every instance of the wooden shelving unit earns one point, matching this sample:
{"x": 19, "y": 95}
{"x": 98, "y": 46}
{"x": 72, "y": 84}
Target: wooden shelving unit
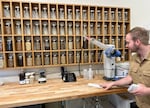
{"x": 42, "y": 34}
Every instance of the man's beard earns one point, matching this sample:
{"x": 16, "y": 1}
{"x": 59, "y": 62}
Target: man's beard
{"x": 135, "y": 48}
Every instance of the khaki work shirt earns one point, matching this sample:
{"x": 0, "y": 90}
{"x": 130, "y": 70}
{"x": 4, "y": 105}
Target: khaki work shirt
{"x": 140, "y": 73}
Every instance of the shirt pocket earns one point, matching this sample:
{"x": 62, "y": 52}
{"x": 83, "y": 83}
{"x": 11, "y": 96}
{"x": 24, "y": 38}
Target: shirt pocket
{"x": 146, "y": 78}
{"x": 134, "y": 74}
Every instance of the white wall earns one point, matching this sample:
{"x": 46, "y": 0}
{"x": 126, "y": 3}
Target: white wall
{"x": 139, "y": 14}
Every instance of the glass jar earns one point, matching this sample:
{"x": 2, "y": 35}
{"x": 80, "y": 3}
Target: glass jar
{"x": 7, "y": 28}
{"x": 113, "y": 41}
{"x": 38, "y": 60}
{"x": 17, "y": 11}
{"x": 85, "y": 44}
{"x": 85, "y": 29}
{"x": 1, "y": 62}
{"x": 26, "y": 12}
{"x": 18, "y": 28}
{"x": 105, "y": 29}
{"x": 9, "y": 45}
{"x": 61, "y": 13}
{"x": 46, "y": 59}
{"x": 37, "y": 44}
{"x": 29, "y": 60}
{"x": 112, "y": 15}
{"x": 6, "y": 11}
{"x": 28, "y": 45}
{"x": 44, "y": 12}
{"x": 119, "y": 42}
{"x": 70, "y": 43}
{"x": 45, "y": 28}
{"x": 69, "y": 13}
{"x": 63, "y": 58}
{"x": 46, "y": 43}
{"x": 126, "y": 16}
{"x": 113, "y": 29}
{"x": 20, "y": 60}
{"x": 70, "y": 58}
{"x": 19, "y": 45}
{"x": 119, "y": 29}
{"x": 119, "y": 16}
{"x": 55, "y": 59}
{"x": 10, "y": 62}
{"x": 53, "y": 13}
{"x": 92, "y": 58}
{"x": 54, "y": 44}
{"x": 62, "y": 43}
{"x": 1, "y": 45}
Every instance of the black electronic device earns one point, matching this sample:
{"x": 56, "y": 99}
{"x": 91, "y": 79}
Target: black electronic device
{"x": 69, "y": 77}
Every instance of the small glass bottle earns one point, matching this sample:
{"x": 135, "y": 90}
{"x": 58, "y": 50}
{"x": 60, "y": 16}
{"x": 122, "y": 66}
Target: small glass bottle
{"x": 62, "y": 43}
{"x": 63, "y": 58}
{"x": 98, "y": 28}
{"x": 77, "y": 28}
{"x": 53, "y": 28}
{"x": 18, "y": 45}
{"x": 84, "y": 14}
{"x": 126, "y": 16}
{"x": 105, "y": 29}
{"x": 55, "y": 59}
{"x": 61, "y": 13}
{"x": 29, "y": 60}
{"x": 70, "y": 43}
{"x": 44, "y": 12}
{"x": 1, "y": 45}
{"x": 6, "y": 11}
{"x": 85, "y": 32}
{"x": 28, "y": 45}
{"x": 119, "y": 29}
{"x": 37, "y": 44}
{"x": 27, "y": 29}
{"x": 92, "y": 29}
{"x": 112, "y": 15}
{"x": 53, "y": 13}
{"x": 77, "y": 14}
{"x": 69, "y": 28}
{"x": 70, "y": 58}
{"x": 1, "y": 62}
{"x": 77, "y": 57}
{"x": 54, "y": 44}
{"x": 46, "y": 43}
{"x": 17, "y": 11}
{"x": 18, "y": 28}
{"x": 106, "y": 15}
{"x": 119, "y": 16}
{"x": 36, "y": 29}
{"x": 113, "y": 29}
{"x": 10, "y": 62}
{"x": 20, "y": 60}
{"x": 92, "y": 14}
{"x": 46, "y": 59}
{"x": 98, "y": 14}
{"x": 26, "y": 12}
{"x": 9, "y": 45}
{"x": 85, "y": 57}
{"x": 38, "y": 60}
{"x": 62, "y": 28}
{"x": 78, "y": 43}
{"x": 7, "y": 28}
{"x": 85, "y": 44}
{"x": 69, "y": 13}
{"x": 35, "y": 13}
{"x": 45, "y": 28}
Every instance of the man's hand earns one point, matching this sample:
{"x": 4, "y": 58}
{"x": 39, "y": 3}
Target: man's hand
{"x": 107, "y": 85}
{"x": 141, "y": 90}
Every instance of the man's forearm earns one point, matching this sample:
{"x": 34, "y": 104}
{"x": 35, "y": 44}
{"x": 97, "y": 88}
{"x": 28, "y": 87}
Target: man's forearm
{"x": 124, "y": 81}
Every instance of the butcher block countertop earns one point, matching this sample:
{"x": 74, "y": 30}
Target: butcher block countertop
{"x": 14, "y": 95}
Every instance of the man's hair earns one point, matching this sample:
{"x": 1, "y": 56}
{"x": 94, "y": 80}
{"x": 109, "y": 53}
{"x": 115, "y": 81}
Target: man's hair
{"x": 140, "y": 33}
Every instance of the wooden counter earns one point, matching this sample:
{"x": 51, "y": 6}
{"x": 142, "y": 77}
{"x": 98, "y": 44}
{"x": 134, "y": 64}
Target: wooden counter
{"x": 13, "y": 94}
